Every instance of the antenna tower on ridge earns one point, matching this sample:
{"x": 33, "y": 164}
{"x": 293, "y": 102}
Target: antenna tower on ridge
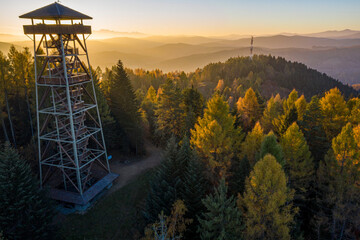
{"x": 251, "y": 47}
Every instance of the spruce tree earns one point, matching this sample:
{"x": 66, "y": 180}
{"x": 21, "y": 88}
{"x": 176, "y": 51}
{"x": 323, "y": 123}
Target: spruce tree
{"x": 25, "y": 213}
{"x": 108, "y": 122}
{"x": 193, "y": 107}
{"x": 222, "y": 219}
{"x": 240, "y": 170}
{"x": 169, "y": 112}
{"x": 124, "y": 106}
{"x": 270, "y": 145}
{"x": 194, "y": 186}
{"x": 166, "y": 185}
{"x": 313, "y": 130}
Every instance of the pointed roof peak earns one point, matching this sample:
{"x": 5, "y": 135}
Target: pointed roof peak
{"x": 55, "y": 11}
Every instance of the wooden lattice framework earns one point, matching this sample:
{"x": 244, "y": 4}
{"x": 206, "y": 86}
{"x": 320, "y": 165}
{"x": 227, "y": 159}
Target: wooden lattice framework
{"x": 71, "y": 146}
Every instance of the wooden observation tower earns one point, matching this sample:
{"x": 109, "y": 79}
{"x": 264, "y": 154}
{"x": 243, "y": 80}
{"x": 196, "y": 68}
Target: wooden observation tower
{"x": 71, "y": 146}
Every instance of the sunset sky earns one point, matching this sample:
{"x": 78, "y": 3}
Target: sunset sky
{"x": 200, "y": 17}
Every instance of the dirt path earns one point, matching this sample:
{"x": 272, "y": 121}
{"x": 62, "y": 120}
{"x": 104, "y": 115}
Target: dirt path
{"x": 129, "y": 170}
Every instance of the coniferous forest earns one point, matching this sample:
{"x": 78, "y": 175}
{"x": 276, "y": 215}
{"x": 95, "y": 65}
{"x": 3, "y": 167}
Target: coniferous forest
{"x": 253, "y": 148}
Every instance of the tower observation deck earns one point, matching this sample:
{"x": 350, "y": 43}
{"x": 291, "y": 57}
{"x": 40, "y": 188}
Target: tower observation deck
{"x": 72, "y": 154}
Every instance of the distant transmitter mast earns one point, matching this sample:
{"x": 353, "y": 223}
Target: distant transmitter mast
{"x": 251, "y": 47}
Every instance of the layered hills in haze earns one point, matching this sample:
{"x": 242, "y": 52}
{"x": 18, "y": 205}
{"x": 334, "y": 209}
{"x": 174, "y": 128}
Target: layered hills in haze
{"x": 336, "y": 53}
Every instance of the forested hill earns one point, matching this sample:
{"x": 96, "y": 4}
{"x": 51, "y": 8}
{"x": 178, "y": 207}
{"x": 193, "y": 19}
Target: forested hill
{"x": 267, "y": 74}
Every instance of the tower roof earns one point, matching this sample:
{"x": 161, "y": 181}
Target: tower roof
{"x": 55, "y": 11}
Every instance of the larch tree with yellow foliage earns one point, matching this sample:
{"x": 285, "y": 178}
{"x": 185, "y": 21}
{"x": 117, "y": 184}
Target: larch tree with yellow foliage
{"x": 354, "y": 111}
{"x": 214, "y": 135}
{"x": 300, "y": 105}
{"x": 290, "y": 114}
{"x": 339, "y": 189}
{"x": 273, "y": 110}
{"x": 334, "y": 110}
{"x": 250, "y": 148}
{"x": 289, "y": 103}
{"x": 248, "y": 109}
{"x": 356, "y": 131}
{"x": 298, "y": 161}
{"x": 169, "y": 227}
{"x": 267, "y": 200}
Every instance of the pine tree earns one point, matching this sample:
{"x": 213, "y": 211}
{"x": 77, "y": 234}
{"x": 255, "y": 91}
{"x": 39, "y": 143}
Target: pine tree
{"x": 298, "y": 161}
{"x": 25, "y": 213}
{"x": 213, "y": 136}
{"x": 124, "y": 106}
{"x": 222, "y": 219}
{"x": 269, "y": 145}
{"x": 313, "y": 130}
{"x": 334, "y": 110}
{"x": 251, "y": 146}
{"x": 267, "y": 200}
{"x": 248, "y": 109}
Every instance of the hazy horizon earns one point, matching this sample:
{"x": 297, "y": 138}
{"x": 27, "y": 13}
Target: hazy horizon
{"x": 200, "y": 17}
{"x": 98, "y": 34}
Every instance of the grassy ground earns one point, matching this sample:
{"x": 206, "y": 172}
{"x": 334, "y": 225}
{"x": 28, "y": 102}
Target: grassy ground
{"x": 117, "y": 216}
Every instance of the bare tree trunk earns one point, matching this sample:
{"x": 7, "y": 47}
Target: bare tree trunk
{"x": 333, "y": 226}
{"x": 29, "y": 110}
{"x": 5, "y": 132}
{"x": 342, "y": 230}
{"x": 9, "y": 116}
